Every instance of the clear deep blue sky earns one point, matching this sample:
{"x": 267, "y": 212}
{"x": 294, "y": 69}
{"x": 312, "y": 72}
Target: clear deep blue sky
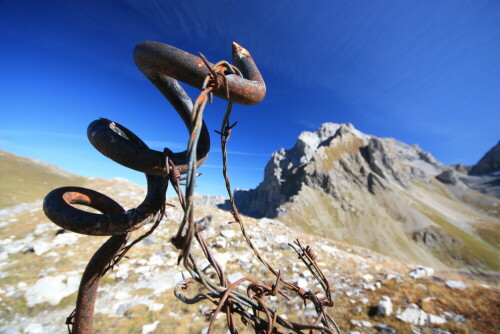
{"x": 423, "y": 72}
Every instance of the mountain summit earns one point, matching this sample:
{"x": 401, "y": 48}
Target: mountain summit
{"x": 381, "y": 194}
{"x": 488, "y": 164}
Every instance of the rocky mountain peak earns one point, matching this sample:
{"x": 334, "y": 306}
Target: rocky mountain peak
{"x": 381, "y": 194}
{"x": 489, "y": 163}
{"x": 335, "y": 157}
{"x": 306, "y": 146}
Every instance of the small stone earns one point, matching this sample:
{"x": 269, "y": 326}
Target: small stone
{"x": 435, "y": 319}
{"x": 455, "y": 285}
{"x": 454, "y": 317}
{"x": 122, "y": 295}
{"x": 150, "y": 241}
{"x": 146, "y": 329}
{"x": 414, "y": 315}
{"x": 449, "y": 176}
{"x": 421, "y": 271}
{"x": 33, "y": 328}
{"x": 385, "y": 329}
{"x": 42, "y": 247}
{"x": 306, "y": 273}
{"x": 440, "y": 331}
{"x": 302, "y": 283}
{"x": 173, "y": 315}
{"x": 51, "y": 289}
{"x": 234, "y": 277}
{"x": 228, "y": 234}
{"x": 155, "y": 307}
{"x": 366, "y": 324}
{"x": 362, "y": 323}
{"x": 367, "y": 277}
{"x": 384, "y": 307}
{"x": 220, "y": 242}
{"x": 122, "y": 272}
{"x": 285, "y": 246}
{"x": 389, "y": 277}
{"x": 421, "y": 286}
{"x": 355, "y": 323}
{"x": 47, "y": 271}
{"x": 121, "y": 308}
{"x": 204, "y": 309}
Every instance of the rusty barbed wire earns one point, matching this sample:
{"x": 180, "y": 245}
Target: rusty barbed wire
{"x": 241, "y": 83}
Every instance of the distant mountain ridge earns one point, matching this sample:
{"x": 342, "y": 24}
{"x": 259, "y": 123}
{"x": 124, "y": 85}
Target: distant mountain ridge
{"x": 382, "y": 194}
{"x": 488, "y": 164}
{"x": 26, "y": 180}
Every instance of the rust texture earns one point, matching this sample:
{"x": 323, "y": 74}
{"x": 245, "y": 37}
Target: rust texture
{"x": 168, "y": 60}
{"x": 240, "y": 83}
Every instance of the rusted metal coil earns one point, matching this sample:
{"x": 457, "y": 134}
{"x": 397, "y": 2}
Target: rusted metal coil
{"x": 162, "y": 65}
{"x": 162, "y": 58}
{"x": 106, "y": 136}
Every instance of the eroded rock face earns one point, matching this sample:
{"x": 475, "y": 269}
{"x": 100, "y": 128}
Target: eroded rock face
{"x": 433, "y": 236}
{"x": 449, "y": 176}
{"x": 379, "y": 193}
{"x": 335, "y": 159}
{"x": 489, "y": 163}
{"x": 461, "y": 168}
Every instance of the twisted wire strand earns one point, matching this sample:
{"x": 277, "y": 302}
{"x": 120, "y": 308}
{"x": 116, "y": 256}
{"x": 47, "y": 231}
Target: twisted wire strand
{"x": 227, "y": 298}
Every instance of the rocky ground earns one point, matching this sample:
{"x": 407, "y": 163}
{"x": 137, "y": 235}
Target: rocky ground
{"x": 40, "y": 269}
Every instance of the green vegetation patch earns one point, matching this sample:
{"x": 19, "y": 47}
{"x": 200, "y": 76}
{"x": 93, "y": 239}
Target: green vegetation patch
{"x": 24, "y": 180}
{"x": 472, "y": 251}
{"x": 490, "y": 234}
{"x": 335, "y": 152}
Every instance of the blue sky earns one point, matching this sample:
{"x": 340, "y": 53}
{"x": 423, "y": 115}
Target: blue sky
{"x": 423, "y": 72}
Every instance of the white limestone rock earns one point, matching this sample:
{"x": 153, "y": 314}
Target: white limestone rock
{"x": 33, "y": 328}
{"x": 228, "y": 234}
{"x": 51, "y": 289}
{"x": 302, "y": 283}
{"x": 421, "y": 271}
{"x": 455, "y": 285}
{"x": 361, "y": 323}
{"x": 384, "y": 307}
{"x": 367, "y": 277}
{"x": 146, "y": 329}
{"x": 414, "y": 315}
{"x": 40, "y": 247}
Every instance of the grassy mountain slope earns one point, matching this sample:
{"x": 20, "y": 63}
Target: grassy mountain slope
{"x": 26, "y": 180}
{"x": 427, "y": 222}
{"x": 381, "y": 194}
